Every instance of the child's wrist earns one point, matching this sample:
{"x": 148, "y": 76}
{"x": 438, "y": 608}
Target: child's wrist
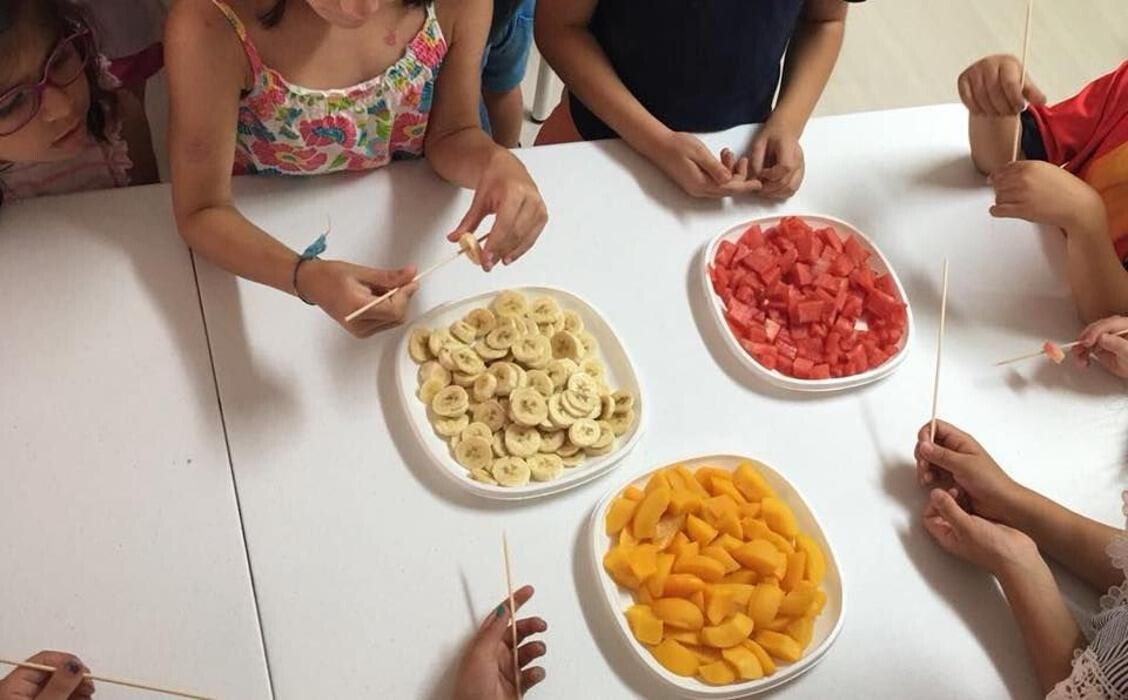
{"x": 1089, "y": 218}
{"x": 1012, "y": 572}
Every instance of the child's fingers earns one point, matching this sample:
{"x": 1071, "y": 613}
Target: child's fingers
{"x": 728, "y": 159}
{"x": 531, "y": 676}
{"x": 1118, "y": 365}
{"x": 497, "y": 622}
{"x": 756, "y": 156}
{"x": 1033, "y": 93}
{"x": 527, "y": 653}
{"x": 501, "y": 236}
{"x": 1008, "y": 211}
{"x": 64, "y": 681}
{"x": 529, "y": 226}
{"x": 1095, "y": 330}
{"x": 1010, "y": 77}
{"x": 471, "y": 220}
{"x": 967, "y": 95}
{"x": 382, "y": 280}
{"x": 712, "y": 167}
{"x": 527, "y": 628}
{"x": 1113, "y": 345}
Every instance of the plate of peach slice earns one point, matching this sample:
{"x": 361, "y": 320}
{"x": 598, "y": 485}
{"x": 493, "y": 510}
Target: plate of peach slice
{"x": 719, "y": 575}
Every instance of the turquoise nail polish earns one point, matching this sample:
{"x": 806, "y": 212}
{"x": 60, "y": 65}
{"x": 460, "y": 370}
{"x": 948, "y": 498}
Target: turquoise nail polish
{"x": 500, "y": 610}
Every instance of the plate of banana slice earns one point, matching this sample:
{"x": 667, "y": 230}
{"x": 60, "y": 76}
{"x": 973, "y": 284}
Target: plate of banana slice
{"x": 519, "y": 393}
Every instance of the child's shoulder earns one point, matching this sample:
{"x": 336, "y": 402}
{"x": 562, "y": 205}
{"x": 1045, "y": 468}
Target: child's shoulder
{"x": 198, "y": 27}
{"x": 463, "y": 17}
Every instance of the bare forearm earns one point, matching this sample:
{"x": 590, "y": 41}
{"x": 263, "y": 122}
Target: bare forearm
{"x": 578, "y": 59}
{"x": 1096, "y": 274}
{"x": 992, "y": 141}
{"x": 806, "y": 69}
{"x": 461, "y": 156}
{"x": 1075, "y": 541}
{"x": 1050, "y": 632}
{"x": 227, "y": 239}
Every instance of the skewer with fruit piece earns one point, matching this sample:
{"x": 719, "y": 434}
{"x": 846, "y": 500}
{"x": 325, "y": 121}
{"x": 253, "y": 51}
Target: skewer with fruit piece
{"x": 468, "y": 245}
{"x": 1055, "y": 352}
{"x": 725, "y": 585}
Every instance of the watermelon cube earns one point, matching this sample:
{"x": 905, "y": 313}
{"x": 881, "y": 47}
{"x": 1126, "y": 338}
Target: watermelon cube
{"x": 725, "y": 251}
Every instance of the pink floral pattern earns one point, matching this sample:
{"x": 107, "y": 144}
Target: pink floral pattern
{"x": 284, "y": 129}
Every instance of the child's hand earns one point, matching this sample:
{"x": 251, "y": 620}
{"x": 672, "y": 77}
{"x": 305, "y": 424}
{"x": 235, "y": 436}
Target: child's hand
{"x": 341, "y": 288}
{"x": 690, "y": 164}
{"x": 486, "y": 670}
{"x": 776, "y": 160}
{"x": 1111, "y": 350}
{"x": 992, "y": 87}
{"x": 989, "y": 545}
{"x": 505, "y": 190}
{"x": 1042, "y": 193}
{"x": 66, "y": 683}
{"x": 957, "y": 460}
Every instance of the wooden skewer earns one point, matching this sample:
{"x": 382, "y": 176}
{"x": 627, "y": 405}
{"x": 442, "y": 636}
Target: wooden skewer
{"x": 1064, "y": 348}
{"x": 387, "y": 295}
{"x": 113, "y": 681}
{"x": 939, "y": 351}
{"x": 512, "y": 615}
{"x": 1022, "y": 88}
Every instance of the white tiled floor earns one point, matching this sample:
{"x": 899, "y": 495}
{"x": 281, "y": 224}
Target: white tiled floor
{"x": 901, "y": 53}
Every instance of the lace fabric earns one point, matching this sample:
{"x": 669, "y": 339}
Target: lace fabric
{"x": 1100, "y": 670}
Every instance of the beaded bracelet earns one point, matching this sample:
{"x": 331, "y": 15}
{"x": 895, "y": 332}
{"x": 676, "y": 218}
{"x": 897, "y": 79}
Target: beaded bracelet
{"x": 312, "y": 252}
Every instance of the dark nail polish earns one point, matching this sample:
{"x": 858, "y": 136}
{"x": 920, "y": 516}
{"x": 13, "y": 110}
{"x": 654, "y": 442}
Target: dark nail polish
{"x": 500, "y": 611}
{"x": 73, "y": 668}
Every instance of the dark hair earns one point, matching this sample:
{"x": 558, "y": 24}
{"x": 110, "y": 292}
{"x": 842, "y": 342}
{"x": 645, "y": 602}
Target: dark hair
{"x": 62, "y": 17}
{"x": 274, "y": 15}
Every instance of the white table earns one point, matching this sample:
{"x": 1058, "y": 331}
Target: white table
{"x": 121, "y": 537}
{"x": 371, "y": 569}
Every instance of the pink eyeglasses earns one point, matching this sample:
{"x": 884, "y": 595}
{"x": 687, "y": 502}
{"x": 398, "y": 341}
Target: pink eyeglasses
{"x": 66, "y": 63}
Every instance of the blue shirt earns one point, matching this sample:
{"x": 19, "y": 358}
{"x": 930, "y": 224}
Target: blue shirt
{"x": 696, "y": 65}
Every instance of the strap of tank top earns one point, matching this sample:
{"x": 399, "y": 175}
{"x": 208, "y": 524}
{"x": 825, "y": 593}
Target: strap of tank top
{"x": 241, "y": 32}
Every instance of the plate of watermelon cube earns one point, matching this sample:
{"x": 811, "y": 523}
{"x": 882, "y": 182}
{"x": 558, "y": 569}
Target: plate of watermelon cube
{"x": 808, "y": 303}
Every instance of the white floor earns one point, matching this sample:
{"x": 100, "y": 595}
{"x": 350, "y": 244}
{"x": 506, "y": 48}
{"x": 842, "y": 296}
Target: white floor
{"x": 902, "y": 53}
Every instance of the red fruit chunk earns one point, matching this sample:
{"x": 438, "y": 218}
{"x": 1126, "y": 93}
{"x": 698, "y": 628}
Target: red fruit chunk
{"x": 855, "y": 250}
{"x": 831, "y": 239}
{"x": 803, "y": 367}
{"x": 752, "y": 237}
{"x": 810, "y": 311}
{"x": 771, "y": 328}
{"x": 881, "y": 304}
{"x": 821, "y": 372}
{"x": 725, "y": 251}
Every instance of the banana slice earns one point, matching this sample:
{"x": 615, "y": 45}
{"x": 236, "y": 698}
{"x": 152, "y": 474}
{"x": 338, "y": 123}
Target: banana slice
{"x": 553, "y": 440}
{"x": 624, "y": 401}
{"x": 463, "y": 332}
{"x": 510, "y": 471}
{"x": 446, "y": 357}
{"x": 545, "y": 467}
{"x": 498, "y": 444}
{"x": 599, "y": 451}
{"x": 534, "y": 351}
{"x": 559, "y": 371}
{"x": 477, "y": 429}
{"x": 463, "y": 380}
{"x": 544, "y": 310}
{"x": 574, "y": 460}
{"x": 469, "y": 245}
{"x": 509, "y": 303}
{"x": 438, "y": 339}
{"x": 608, "y": 408}
{"x": 484, "y": 476}
{"x": 584, "y": 432}
{"x": 606, "y": 436}
{"x": 547, "y": 426}
{"x": 558, "y": 414}
{"x": 428, "y": 390}
{"x": 506, "y": 375}
{"x": 491, "y": 413}
{"x": 589, "y": 343}
{"x": 467, "y": 361}
{"x": 451, "y": 402}
{"x": 594, "y": 369}
{"x": 583, "y": 383}
{"x": 449, "y": 427}
{"x": 485, "y": 386}
{"x": 502, "y": 337}
{"x": 417, "y": 345}
{"x": 528, "y": 407}
{"x": 474, "y": 453}
{"x": 539, "y": 380}
{"x": 621, "y": 422}
{"x": 509, "y": 322}
{"x": 572, "y": 322}
{"x": 482, "y": 320}
{"x": 522, "y": 377}
{"x": 522, "y": 441}
{"x": 580, "y": 405}
{"x": 489, "y": 354}
{"x": 566, "y": 346}
{"x": 568, "y": 449}
{"x": 433, "y": 370}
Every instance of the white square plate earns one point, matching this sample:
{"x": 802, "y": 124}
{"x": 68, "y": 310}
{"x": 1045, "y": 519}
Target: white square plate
{"x": 877, "y": 262}
{"x": 620, "y": 375}
{"x": 827, "y": 626}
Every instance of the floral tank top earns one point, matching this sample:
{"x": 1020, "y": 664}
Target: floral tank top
{"x": 285, "y": 129}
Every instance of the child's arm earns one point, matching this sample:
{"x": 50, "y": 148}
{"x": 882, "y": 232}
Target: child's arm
{"x": 1043, "y": 193}
{"x": 565, "y": 42}
{"x": 775, "y": 155}
{"x": 1049, "y": 629}
{"x": 992, "y": 90}
{"x": 957, "y": 461}
{"x": 461, "y": 152}
{"x": 207, "y": 71}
